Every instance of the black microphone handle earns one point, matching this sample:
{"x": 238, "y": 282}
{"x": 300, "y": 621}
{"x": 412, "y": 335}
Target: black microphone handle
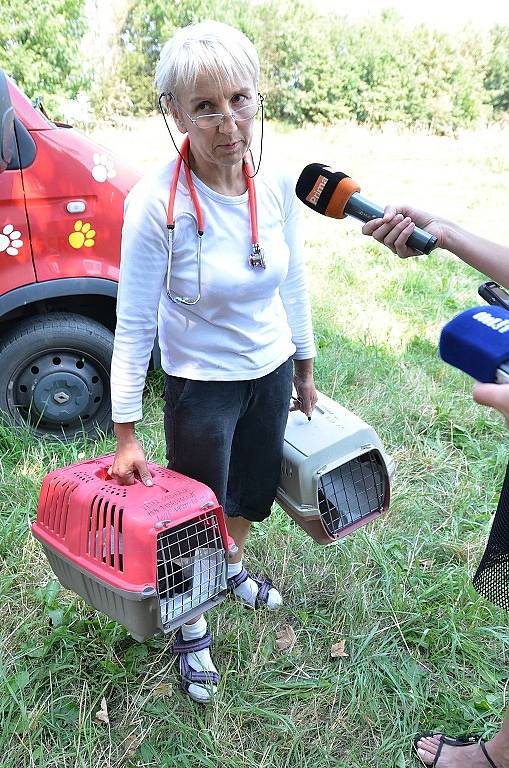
{"x": 362, "y": 209}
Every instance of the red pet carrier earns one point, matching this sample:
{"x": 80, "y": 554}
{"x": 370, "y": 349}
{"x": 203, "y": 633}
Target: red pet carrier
{"x": 151, "y": 558}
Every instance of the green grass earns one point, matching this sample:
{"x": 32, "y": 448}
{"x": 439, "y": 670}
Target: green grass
{"x": 423, "y": 649}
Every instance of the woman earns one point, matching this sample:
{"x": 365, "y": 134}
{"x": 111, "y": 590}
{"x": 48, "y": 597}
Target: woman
{"x": 235, "y": 328}
{"x": 394, "y": 229}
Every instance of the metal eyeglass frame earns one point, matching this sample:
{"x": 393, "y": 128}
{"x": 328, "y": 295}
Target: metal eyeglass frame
{"x": 233, "y": 114}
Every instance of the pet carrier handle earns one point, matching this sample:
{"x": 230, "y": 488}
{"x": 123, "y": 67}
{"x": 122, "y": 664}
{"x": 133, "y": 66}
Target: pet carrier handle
{"x": 104, "y": 474}
{"x": 317, "y": 407}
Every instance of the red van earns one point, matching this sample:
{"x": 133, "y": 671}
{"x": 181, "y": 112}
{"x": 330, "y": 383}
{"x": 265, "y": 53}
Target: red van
{"x": 61, "y": 209}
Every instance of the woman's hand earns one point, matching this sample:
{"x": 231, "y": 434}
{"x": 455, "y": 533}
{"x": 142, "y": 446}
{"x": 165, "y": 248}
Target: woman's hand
{"x": 494, "y": 395}
{"x": 305, "y": 387}
{"x": 129, "y": 460}
{"x": 398, "y": 223}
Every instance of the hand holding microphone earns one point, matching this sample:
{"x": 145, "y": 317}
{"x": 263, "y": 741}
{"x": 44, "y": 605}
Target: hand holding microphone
{"x": 333, "y": 193}
{"x": 397, "y": 225}
{"x": 484, "y": 355}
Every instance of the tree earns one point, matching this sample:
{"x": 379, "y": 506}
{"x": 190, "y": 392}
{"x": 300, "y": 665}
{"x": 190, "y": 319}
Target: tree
{"x": 323, "y": 67}
{"x": 497, "y": 71}
{"x": 39, "y": 45}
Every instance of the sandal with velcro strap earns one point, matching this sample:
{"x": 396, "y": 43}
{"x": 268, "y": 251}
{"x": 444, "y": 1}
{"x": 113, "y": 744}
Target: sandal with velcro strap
{"x": 189, "y": 676}
{"x": 264, "y": 587}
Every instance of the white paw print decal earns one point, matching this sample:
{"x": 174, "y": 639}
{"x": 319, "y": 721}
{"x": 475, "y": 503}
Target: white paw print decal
{"x": 10, "y": 240}
{"x": 103, "y": 168}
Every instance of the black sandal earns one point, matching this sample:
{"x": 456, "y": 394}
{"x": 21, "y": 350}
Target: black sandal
{"x": 450, "y": 742}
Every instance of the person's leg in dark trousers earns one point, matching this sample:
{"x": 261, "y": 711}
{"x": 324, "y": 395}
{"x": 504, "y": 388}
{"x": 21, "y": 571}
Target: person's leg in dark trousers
{"x": 199, "y": 425}
{"x": 257, "y": 451}
{"x": 255, "y": 467}
{"x": 229, "y": 435}
{"x": 200, "y": 418}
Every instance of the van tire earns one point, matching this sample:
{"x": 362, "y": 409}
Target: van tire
{"x": 55, "y": 376}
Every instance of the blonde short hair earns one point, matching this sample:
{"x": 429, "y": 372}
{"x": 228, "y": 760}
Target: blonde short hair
{"x": 223, "y": 52}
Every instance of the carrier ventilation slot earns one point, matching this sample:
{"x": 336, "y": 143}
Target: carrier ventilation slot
{"x": 56, "y": 506}
{"x": 104, "y": 536}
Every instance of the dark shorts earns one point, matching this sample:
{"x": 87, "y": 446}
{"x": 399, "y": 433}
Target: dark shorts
{"x": 229, "y": 435}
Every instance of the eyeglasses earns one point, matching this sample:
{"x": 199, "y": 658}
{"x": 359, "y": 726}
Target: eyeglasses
{"x": 237, "y": 115}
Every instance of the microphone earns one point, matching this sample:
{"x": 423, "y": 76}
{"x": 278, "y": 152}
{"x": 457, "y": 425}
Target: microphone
{"x": 335, "y": 194}
{"x": 477, "y": 342}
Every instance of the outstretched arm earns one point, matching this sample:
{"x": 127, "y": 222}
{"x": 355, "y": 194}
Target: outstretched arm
{"x": 398, "y": 223}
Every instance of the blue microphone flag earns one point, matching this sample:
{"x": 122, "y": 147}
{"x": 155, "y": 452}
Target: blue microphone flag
{"x": 477, "y": 341}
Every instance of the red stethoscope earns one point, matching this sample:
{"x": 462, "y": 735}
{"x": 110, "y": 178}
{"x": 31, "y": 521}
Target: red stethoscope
{"x": 256, "y": 258}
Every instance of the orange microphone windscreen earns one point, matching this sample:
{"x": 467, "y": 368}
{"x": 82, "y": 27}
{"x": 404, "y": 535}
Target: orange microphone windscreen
{"x": 340, "y": 197}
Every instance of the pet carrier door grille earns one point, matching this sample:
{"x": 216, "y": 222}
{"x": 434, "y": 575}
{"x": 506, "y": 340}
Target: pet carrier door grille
{"x": 191, "y": 567}
{"x": 351, "y": 492}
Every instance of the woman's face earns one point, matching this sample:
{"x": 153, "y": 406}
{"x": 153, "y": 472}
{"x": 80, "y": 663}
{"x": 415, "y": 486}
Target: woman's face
{"x": 227, "y": 143}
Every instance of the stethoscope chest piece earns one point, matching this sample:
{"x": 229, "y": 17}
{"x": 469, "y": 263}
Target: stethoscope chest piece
{"x": 257, "y": 258}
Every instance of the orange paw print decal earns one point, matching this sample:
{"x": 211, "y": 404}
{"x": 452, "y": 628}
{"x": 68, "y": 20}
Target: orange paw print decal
{"x": 83, "y": 235}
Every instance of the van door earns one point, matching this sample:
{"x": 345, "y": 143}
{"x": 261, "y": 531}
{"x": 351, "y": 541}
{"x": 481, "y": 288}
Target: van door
{"x": 16, "y": 263}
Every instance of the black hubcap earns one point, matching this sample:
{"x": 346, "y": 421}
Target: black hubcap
{"x": 58, "y": 389}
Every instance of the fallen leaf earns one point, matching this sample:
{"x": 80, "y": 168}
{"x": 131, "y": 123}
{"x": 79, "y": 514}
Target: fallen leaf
{"x": 285, "y": 638}
{"x": 337, "y": 650}
{"x": 162, "y": 689}
{"x": 101, "y": 716}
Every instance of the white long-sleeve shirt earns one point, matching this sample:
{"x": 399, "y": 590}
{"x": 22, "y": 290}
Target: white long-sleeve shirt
{"x": 247, "y": 321}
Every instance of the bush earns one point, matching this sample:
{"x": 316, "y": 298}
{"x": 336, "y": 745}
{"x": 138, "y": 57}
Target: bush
{"x": 497, "y": 71}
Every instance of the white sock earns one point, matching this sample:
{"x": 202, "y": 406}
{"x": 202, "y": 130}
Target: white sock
{"x": 248, "y": 590}
{"x": 200, "y": 661}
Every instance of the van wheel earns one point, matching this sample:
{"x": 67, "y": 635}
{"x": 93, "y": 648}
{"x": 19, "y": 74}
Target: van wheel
{"x": 54, "y": 375}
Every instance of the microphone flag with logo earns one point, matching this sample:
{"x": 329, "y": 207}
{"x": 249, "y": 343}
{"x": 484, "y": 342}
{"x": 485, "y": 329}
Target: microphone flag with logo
{"x": 477, "y": 342}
